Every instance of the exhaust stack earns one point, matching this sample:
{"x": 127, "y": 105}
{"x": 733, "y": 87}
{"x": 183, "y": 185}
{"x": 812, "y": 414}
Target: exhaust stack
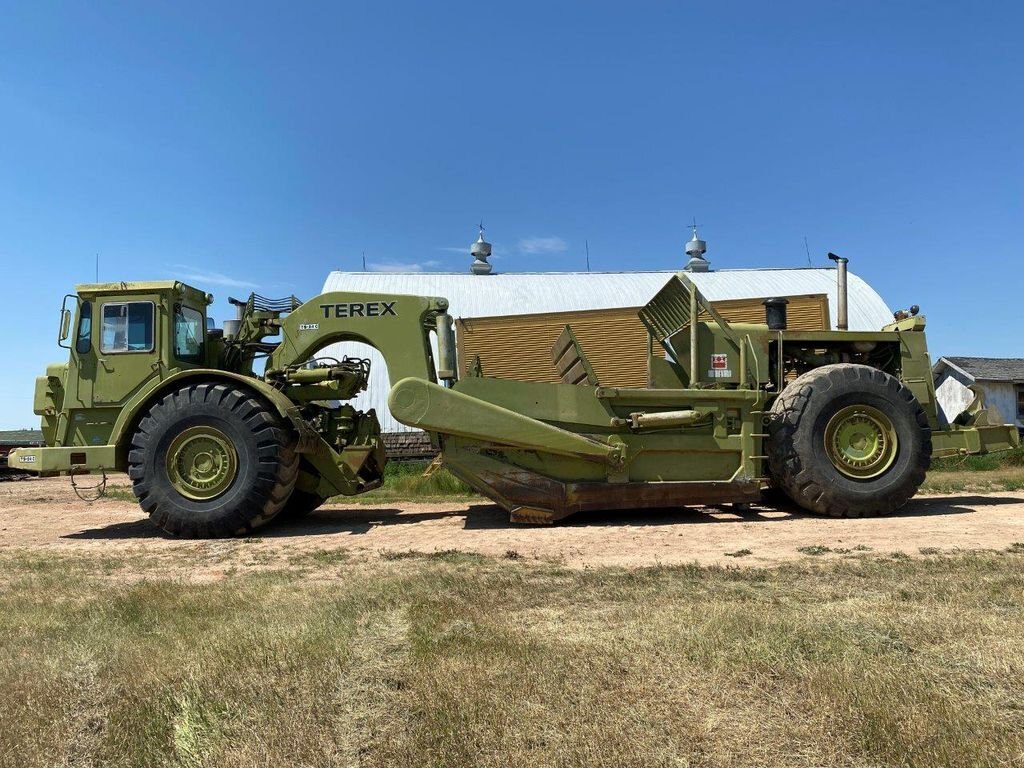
{"x": 843, "y": 320}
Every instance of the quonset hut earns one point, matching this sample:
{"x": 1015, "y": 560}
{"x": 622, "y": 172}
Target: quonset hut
{"x": 509, "y": 321}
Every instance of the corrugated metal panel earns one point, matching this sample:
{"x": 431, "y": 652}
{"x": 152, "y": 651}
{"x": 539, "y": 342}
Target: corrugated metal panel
{"x": 473, "y": 296}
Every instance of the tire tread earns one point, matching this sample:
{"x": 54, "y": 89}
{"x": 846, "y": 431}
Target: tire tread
{"x": 277, "y": 470}
{"x": 805, "y": 479}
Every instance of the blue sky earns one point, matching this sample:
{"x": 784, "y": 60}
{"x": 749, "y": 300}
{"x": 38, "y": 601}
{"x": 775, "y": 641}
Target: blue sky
{"x": 261, "y": 145}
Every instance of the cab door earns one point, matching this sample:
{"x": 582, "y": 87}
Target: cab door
{"x": 128, "y": 351}
{"x": 188, "y": 335}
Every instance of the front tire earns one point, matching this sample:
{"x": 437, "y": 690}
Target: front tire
{"x": 848, "y": 440}
{"x": 210, "y": 460}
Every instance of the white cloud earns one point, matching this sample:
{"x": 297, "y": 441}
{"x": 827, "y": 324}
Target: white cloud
{"x": 203, "y": 278}
{"x": 543, "y": 245}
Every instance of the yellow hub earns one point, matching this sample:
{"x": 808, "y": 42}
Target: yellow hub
{"x": 201, "y": 463}
{"x": 861, "y": 442}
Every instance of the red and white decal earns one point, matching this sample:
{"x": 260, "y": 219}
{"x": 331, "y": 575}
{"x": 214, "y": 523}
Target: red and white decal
{"x": 719, "y": 367}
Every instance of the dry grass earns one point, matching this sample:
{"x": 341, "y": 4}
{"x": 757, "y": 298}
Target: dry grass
{"x": 992, "y": 472}
{"x": 405, "y": 481}
{"x": 448, "y": 660}
{"x": 981, "y": 462}
{"x": 978, "y": 481}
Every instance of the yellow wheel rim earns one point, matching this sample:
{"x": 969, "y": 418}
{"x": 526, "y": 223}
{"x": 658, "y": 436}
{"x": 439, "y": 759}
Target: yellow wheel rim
{"x": 861, "y": 442}
{"x": 201, "y": 463}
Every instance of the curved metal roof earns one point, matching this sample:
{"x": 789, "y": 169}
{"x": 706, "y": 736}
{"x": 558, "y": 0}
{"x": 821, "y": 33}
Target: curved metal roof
{"x": 521, "y": 293}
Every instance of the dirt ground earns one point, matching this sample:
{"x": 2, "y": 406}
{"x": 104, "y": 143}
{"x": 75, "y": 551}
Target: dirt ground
{"x": 44, "y": 515}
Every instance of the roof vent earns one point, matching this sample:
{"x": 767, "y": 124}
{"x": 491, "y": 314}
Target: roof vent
{"x": 696, "y": 249}
{"x": 480, "y": 250}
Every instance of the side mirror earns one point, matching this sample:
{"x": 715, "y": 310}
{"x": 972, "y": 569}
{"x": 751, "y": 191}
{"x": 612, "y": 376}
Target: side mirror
{"x": 65, "y": 321}
{"x": 65, "y": 324}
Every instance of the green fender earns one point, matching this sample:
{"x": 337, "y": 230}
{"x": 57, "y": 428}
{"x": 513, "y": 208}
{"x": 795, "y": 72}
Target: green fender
{"x": 337, "y": 473}
{"x": 131, "y": 411}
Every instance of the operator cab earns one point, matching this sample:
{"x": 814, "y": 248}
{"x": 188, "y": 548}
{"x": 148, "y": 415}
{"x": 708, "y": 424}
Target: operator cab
{"x": 119, "y": 337}
{"x": 164, "y": 319}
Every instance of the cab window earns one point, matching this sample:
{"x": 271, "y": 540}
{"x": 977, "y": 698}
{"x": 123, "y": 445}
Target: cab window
{"x": 127, "y": 327}
{"x": 188, "y": 334}
{"x": 84, "y": 339}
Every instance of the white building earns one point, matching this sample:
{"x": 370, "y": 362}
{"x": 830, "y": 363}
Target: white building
{"x": 1000, "y": 380}
{"x": 488, "y": 295}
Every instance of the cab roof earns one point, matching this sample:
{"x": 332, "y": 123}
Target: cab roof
{"x": 141, "y": 286}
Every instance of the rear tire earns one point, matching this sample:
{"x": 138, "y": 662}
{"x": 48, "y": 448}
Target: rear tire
{"x": 848, "y": 440}
{"x": 210, "y": 460}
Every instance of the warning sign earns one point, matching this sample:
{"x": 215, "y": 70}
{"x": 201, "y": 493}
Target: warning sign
{"x": 720, "y": 367}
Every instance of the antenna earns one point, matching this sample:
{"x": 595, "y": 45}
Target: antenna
{"x": 808, "y": 249}
{"x": 97, "y": 267}
{"x": 587, "y": 244}
{"x": 364, "y": 261}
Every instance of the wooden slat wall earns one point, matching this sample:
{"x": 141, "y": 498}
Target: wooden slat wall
{"x": 614, "y": 340}
{"x": 804, "y": 313}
